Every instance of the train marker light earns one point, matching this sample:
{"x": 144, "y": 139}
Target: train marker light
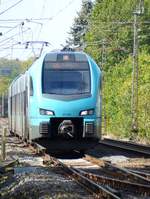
{"x": 46, "y": 112}
{"x": 65, "y": 57}
{"x": 87, "y": 112}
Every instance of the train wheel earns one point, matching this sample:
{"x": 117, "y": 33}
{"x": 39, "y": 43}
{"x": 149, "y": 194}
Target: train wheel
{"x": 11, "y": 133}
{"x": 82, "y": 152}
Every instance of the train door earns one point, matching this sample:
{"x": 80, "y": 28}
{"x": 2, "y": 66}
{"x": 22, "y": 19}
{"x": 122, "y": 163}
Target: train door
{"x": 15, "y": 113}
{"x": 10, "y": 109}
{"x": 26, "y": 104}
{"x": 22, "y": 113}
{"x": 10, "y": 113}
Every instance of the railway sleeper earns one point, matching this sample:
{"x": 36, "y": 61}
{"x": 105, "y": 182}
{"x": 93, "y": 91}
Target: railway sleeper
{"x": 115, "y": 171}
{"x": 129, "y": 174}
{"x": 97, "y": 190}
{"x": 140, "y": 189}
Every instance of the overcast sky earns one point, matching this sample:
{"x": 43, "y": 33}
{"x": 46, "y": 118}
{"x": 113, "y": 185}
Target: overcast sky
{"x": 55, "y": 30}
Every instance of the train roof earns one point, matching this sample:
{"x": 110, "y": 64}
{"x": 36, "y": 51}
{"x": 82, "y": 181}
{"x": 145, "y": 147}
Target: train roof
{"x": 65, "y": 56}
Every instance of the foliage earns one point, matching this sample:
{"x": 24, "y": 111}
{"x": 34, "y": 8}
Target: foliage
{"x": 113, "y": 23}
{"x": 26, "y": 64}
{"x": 80, "y": 25}
{"x": 109, "y": 40}
{"x": 117, "y": 98}
{"x": 16, "y": 67}
{"x": 105, "y": 25}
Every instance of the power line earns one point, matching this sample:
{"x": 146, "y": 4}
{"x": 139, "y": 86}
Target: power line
{"x": 14, "y": 36}
{"x": 12, "y": 28}
{"x": 42, "y": 12}
{"x": 5, "y": 56}
{"x": 11, "y": 7}
{"x": 39, "y": 19}
{"x": 62, "y": 9}
{"x": 26, "y": 19}
{"x": 8, "y": 48}
{"x": 6, "y": 26}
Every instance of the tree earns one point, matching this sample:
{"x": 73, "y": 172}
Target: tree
{"x": 80, "y": 25}
{"x": 16, "y": 67}
{"x": 112, "y": 21}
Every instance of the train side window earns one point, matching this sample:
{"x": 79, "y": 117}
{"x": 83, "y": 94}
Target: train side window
{"x": 31, "y": 86}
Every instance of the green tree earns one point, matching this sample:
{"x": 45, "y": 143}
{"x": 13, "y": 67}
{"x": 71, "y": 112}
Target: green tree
{"x": 26, "y": 64}
{"x": 110, "y": 27}
{"x": 16, "y": 66}
{"x": 80, "y": 25}
{"x": 106, "y": 23}
{"x": 112, "y": 20}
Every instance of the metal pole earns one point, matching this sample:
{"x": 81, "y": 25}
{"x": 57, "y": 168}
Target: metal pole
{"x": 3, "y": 104}
{"x": 4, "y": 144}
{"x": 103, "y": 82}
{"x": 135, "y": 73}
{"x": 134, "y": 105}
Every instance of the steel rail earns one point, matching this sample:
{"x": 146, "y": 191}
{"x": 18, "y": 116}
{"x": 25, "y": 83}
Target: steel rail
{"x": 118, "y": 184}
{"x": 39, "y": 148}
{"x": 7, "y": 166}
{"x": 127, "y": 172}
{"x": 131, "y": 174}
{"x": 97, "y": 190}
{"x": 141, "y": 173}
{"x": 101, "y": 186}
{"x": 139, "y": 148}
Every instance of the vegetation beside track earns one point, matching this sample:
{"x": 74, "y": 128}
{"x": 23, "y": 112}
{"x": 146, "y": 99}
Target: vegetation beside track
{"x": 15, "y": 68}
{"x": 104, "y": 29}
{"x": 117, "y": 99}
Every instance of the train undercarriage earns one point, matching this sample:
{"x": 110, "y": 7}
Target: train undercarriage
{"x": 68, "y": 134}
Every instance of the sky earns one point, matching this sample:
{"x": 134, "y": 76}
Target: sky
{"x": 34, "y": 20}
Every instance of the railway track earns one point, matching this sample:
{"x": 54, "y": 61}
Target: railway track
{"x": 103, "y": 179}
{"x": 30, "y": 178}
{"x": 130, "y": 146}
{"x": 100, "y": 177}
{"x": 72, "y": 169}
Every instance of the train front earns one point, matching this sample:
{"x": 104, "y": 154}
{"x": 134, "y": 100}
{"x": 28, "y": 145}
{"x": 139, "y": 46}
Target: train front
{"x": 69, "y": 104}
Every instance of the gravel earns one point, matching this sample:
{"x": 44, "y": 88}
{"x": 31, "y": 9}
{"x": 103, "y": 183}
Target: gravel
{"x": 32, "y": 179}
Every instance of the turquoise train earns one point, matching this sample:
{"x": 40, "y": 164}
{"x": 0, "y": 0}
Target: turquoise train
{"x": 58, "y": 99}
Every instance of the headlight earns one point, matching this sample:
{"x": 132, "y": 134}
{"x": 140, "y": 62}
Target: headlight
{"x": 87, "y": 112}
{"x": 46, "y": 112}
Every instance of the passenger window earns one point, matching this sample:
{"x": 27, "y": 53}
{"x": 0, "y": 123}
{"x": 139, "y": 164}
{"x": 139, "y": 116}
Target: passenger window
{"x": 31, "y": 86}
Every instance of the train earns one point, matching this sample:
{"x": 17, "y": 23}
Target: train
{"x": 58, "y": 99}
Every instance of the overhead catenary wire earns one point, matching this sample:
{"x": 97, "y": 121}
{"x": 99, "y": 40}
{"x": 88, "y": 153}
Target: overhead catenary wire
{"x": 18, "y": 2}
{"x": 5, "y": 56}
{"x": 42, "y": 12}
{"x": 7, "y": 42}
{"x": 39, "y": 19}
{"x": 12, "y": 28}
{"x": 14, "y": 35}
{"x": 30, "y": 20}
{"x": 62, "y": 9}
{"x": 11, "y": 45}
{"x": 7, "y": 27}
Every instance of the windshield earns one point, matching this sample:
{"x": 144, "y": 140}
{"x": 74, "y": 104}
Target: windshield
{"x": 66, "y": 78}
